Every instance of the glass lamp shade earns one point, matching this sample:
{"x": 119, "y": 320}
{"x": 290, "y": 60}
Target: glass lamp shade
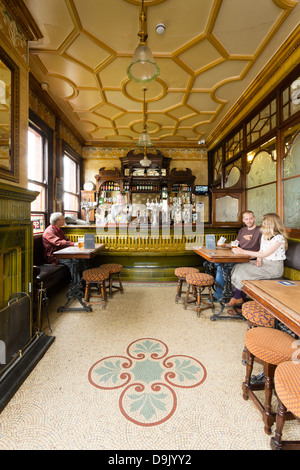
{"x": 144, "y": 139}
{"x": 143, "y": 69}
{"x": 145, "y": 162}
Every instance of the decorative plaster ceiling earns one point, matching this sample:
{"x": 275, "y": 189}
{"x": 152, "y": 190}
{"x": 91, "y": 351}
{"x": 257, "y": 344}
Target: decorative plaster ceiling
{"x": 210, "y": 52}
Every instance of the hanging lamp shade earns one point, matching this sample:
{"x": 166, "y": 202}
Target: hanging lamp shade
{"x": 143, "y": 69}
{"x": 145, "y": 162}
{"x": 144, "y": 139}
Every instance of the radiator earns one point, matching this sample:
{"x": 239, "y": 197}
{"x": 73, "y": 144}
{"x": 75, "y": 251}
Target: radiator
{"x": 11, "y": 273}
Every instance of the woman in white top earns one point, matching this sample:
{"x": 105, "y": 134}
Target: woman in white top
{"x": 270, "y": 258}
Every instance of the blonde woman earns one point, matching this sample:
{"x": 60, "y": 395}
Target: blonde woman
{"x": 270, "y": 258}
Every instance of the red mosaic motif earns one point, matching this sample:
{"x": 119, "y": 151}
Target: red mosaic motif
{"x": 148, "y": 376}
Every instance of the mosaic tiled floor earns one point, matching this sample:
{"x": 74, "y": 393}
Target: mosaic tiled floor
{"x": 142, "y": 374}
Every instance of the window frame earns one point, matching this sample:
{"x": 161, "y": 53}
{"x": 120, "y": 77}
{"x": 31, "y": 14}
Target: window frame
{"x": 33, "y": 126}
{"x": 70, "y": 153}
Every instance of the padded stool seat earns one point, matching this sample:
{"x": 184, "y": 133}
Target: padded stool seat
{"x": 256, "y": 315}
{"x": 181, "y": 273}
{"x": 95, "y": 276}
{"x": 199, "y": 281}
{"x": 271, "y": 347}
{"x": 113, "y": 269}
{"x": 287, "y": 386}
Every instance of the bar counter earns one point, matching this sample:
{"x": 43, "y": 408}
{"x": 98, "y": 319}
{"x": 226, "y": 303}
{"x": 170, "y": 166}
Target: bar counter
{"x": 150, "y": 253}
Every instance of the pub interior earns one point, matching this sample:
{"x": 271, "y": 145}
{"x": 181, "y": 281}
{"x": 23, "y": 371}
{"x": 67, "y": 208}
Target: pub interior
{"x": 191, "y": 138}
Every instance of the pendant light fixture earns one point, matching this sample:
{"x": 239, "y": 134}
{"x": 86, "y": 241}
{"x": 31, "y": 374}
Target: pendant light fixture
{"x": 143, "y": 69}
{"x": 145, "y": 162}
{"x": 144, "y": 139}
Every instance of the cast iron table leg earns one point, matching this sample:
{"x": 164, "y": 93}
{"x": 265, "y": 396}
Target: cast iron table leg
{"x": 75, "y": 292}
{"x": 226, "y": 294}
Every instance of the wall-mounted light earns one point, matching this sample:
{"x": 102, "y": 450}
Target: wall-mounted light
{"x": 44, "y": 86}
{"x": 250, "y": 156}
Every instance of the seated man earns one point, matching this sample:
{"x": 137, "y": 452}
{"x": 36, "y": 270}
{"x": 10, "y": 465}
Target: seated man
{"x": 54, "y": 239}
{"x": 121, "y": 212}
{"x": 249, "y": 239}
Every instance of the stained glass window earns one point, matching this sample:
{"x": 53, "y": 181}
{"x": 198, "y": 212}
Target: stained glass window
{"x": 234, "y": 145}
{"x": 262, "y": 123}
{"x": 217, "y": 163}
{"x": 291, "y": 99}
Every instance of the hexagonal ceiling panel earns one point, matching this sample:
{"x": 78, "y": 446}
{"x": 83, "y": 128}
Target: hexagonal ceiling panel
{"x": 88, "y": 45}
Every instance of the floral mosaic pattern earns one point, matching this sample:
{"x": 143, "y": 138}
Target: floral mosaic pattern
{"x": 148, "y": 377}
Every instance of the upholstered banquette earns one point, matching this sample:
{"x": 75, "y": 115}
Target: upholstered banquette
{"x": 46, "y": 275}
{"x": 292, "y": 262}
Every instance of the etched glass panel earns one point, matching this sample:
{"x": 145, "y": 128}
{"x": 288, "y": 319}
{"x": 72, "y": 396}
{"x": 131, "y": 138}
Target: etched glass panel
{"x": 262, "y": 201}
{"x": 227, "y": 209}
{"x": 291, "y": 202}
{"x": 232, "y": 177}
{"x": 262, "y": 170}
{"x": 291, "y": 163}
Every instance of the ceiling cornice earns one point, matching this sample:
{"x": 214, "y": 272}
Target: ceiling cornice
{"x": 24, "y": 19}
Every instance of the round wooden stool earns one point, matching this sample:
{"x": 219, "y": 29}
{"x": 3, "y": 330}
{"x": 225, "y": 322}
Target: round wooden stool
{"x": 96, "y": 276}
{"x": 181, "y": 274}
{"x": 256, "y": 315}
{"x": 271, "y": 347}
{"x": 113, "y": 269}
{"x": 287, "y": 387}
{"x": 199, "y": 281}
